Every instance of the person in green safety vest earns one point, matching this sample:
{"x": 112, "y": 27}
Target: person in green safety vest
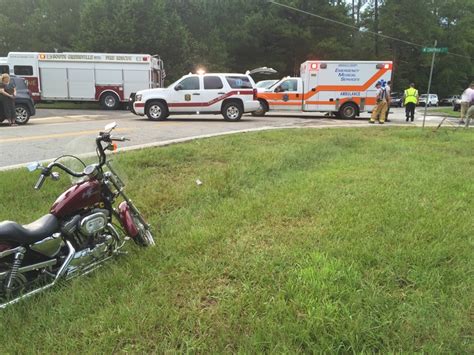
{"x": 410, "y": 101}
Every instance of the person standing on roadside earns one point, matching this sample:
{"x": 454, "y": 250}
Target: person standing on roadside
{"x": 388, "y": 90}
{"x": 379, "y": 111}
{"x": 8, "y": 93}
{"x": 410, "y": 101}
{"x": 470, "y": 110}
{"x": 465, "y": 102}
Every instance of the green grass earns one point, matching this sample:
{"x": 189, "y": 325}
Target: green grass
{"x": 353, "y": 240}
{"x": 444, "y": 111}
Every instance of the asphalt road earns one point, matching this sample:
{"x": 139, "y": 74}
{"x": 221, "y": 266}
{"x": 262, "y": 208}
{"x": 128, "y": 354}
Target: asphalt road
{"x": 55, "y": 132}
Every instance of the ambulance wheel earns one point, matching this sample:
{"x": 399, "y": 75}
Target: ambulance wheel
{"x": 348, "y": 111}
{"x": 156, "y": 111}
{"x": 263, "y": 109}
{"x": 232, "y": 111}
{"x": 109, "y": 101}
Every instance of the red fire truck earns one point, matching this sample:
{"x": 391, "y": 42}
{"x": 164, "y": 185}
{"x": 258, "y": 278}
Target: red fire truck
{"x": 101, "y": 77}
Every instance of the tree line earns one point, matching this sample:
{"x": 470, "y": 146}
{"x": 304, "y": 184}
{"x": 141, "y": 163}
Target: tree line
{"x": 236, "y": 35}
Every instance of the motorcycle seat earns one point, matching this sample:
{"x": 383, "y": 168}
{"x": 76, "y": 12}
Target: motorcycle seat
{"x": 30, "y": 233}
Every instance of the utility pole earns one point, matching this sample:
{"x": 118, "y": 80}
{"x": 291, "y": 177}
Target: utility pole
{"x": 429, "y": 83}
{"x": 376, "y": 18}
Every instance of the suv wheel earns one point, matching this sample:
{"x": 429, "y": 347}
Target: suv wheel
{"x": 156, "y": 111}
{"x": 22, "y": 114}
{"x": 232, "y": 111}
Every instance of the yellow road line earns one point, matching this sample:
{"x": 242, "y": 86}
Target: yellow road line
{"x": 56, "y": 135}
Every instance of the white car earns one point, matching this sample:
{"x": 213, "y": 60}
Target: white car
{"x": 228, "y": 94}
{"x": 433, "y": 100}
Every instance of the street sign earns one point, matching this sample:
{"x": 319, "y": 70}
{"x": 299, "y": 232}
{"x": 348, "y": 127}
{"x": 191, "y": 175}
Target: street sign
{"x": 434, "y": 50}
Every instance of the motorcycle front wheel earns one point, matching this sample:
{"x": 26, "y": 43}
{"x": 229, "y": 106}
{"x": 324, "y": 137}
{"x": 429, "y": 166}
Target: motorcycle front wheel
{"x": 144, "y": 237}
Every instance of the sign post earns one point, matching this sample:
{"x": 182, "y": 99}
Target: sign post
{"x": 433, "y": 50}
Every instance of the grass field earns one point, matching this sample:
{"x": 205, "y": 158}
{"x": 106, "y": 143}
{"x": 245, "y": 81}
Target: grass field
{"x": 349, "y": 240}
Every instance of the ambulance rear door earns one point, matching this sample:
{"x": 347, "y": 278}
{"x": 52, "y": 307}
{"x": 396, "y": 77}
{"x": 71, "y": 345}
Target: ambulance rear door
{"x": 310, "y": 76}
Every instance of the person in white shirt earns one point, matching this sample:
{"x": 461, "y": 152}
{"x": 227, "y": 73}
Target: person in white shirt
{"x": 465, "y": 100}
{"x": 470, "y": 110}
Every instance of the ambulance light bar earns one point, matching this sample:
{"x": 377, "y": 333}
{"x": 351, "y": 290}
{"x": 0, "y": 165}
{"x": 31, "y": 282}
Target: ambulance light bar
{"x": 314, "y": 66}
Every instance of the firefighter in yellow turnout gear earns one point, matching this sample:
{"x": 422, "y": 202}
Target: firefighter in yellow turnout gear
{"x": 381, "y": 107}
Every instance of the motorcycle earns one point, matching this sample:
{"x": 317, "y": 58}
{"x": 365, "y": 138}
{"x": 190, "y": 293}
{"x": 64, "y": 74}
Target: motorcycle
{"x": 83, "y": 229}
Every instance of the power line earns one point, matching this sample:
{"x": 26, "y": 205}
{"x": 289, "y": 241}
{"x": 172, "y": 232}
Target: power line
{"x": 359, "y": 29}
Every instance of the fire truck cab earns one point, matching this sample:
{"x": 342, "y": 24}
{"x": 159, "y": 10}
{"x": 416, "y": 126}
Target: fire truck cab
{"x": 102, "y": 77}
{"x": 345, "y": 88}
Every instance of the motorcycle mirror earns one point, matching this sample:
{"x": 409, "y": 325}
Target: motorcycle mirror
{"x": 55, "y": 175}
{"x": 33, "y": 166}
{"x": 110, "y": 126}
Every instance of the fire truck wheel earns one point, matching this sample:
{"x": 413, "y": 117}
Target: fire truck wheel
{"x": 109, "y": 101}
{"x": 232, "y": 111}
{"x": 262, "y": 110}
{"x": 348, "y": 111}
{"x": 156, "y": 111}
{"x": 22, "y": 114}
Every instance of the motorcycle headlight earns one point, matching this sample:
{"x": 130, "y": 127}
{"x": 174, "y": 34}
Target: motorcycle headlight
{"x": 138, "y": 97}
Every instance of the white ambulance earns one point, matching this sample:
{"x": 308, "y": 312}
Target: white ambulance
{"x": 102, "y": 77}
{"x": 344, "y": 88}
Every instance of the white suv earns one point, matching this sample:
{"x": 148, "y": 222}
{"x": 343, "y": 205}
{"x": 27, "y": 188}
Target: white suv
{"x": 228, "y": 94}
{"x": 433, "y": 101}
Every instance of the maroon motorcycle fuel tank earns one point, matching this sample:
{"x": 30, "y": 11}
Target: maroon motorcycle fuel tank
{"x": 77, "y": 197}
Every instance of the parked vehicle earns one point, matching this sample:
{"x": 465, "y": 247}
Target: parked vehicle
{"x": 432, "y": 101}
{"x": 345, "y": 88}
{"x": 396, "y": 99}
{"x": 228, "y": 94}
{"x": 448, "y": 101}
{"x": 265, "y": 84}
{"x": 99, "y": 77}
{"x": 82, "y": 230}
{"x": 457, "y": 104}
{"x": 24, "y": 104}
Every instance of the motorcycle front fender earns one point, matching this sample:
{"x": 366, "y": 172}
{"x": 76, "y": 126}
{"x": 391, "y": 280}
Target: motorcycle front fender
{"x": 127, "y": 220}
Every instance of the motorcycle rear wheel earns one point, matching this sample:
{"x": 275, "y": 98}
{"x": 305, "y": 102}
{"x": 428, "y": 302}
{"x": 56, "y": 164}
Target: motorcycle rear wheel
{"x": 17, "y": 289}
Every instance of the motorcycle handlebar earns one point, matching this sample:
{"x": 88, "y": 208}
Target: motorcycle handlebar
{"x": 65, "y": 168}
{"x": 103, "y": 137}
{"x": 40, "y": 182}
{"x": 108, "y": 138}
{"x": 120, "y": 139}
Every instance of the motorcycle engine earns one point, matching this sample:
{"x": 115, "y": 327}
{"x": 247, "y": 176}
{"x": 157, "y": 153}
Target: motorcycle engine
{"x": 90, "y": 238}
{"x": 83, "y": 230}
